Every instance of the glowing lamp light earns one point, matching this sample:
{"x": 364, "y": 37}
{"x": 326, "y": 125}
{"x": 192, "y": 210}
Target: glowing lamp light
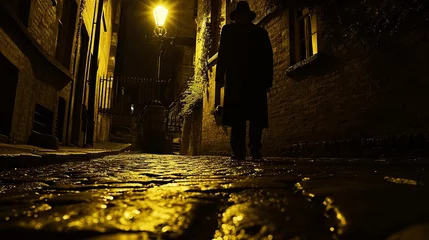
{"x": 160, "y": 14}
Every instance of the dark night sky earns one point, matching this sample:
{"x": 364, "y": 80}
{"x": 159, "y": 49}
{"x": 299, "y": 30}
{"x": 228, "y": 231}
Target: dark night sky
{"x": 137, "y": 54}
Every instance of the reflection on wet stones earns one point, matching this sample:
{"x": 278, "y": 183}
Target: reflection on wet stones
{"x": 96, "y": 186}
{"x": 140, "y": 196}
{"x": 69, "y": 199}
{"x": 176, "y": 198}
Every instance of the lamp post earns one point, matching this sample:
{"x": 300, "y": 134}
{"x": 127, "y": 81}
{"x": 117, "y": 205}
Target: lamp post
{"x": 153, "y": 137}
{"x": 160, "y": 15}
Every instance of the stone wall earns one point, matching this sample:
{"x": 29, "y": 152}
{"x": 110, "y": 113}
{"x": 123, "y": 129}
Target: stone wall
{"x": 192, "y": 132}
{"x": 30, "y": 91}
{"x": 184, "y": 70}
{"x": 351, "y": 98}
{"x": 24, "y": 100}
{"x": 215, "y": 139}
{"x": 43, "y": 24}
{"x": 43, "y": 29}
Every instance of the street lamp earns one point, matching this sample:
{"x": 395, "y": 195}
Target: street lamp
{"x": 160, "y": 15}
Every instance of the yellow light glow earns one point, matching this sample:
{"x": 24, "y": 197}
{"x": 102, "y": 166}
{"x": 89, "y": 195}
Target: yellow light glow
{"x": 401, "y": 180}
{"x": 160, "y": 14}
{"x": 222, "y": 95}
{"x": 313, "y": 20}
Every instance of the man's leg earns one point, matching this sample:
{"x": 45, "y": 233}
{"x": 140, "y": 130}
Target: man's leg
{"x": 238, "y": 139}
{"x": 255, "y": 136}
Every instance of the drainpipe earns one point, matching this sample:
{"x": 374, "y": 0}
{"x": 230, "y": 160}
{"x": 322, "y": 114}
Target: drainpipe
{"x": 93, "y": 77}
{"x": 71, "y": 93}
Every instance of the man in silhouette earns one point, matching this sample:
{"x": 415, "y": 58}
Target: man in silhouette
{"x": 245, "y": 68}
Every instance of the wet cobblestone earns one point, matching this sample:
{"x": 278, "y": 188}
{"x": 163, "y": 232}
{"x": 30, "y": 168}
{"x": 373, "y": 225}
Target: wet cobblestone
{"x": 143, "y": 196}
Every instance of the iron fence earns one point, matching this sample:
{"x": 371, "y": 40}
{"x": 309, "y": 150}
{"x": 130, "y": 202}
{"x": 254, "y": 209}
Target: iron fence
{"x": 127, "y": 96}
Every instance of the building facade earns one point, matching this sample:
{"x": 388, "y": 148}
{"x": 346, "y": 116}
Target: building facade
{"x": 349, "y": 77}
{"x": 45, "y": 59}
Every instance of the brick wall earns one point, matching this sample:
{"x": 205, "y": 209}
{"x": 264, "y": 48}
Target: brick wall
{"x": 351, "y": 99}
{"x": 351, "y": 93}
{"x": 43, "y": 24}
{"x": 185, "y": 69}
{"x": 214, "y": 139}
{"x": 43, "y": 27}
{"x": 31, "y": 91}
{"x": 191, "y": 129}
{"x": 184, "y": 17}
{"x": 24, "y": 100}
{"x": 192, "y": 132}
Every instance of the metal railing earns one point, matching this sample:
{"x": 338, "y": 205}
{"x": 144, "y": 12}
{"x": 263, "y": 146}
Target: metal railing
{"x": 127, "y": 96}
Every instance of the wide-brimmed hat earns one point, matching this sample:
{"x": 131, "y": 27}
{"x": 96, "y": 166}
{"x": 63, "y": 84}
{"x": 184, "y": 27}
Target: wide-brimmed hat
{"x": 243, "y": 7}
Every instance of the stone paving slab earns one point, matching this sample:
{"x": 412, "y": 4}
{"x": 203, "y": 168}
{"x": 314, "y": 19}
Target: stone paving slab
{"x": 145, "y": 196}
{"x": 22, "y": 155}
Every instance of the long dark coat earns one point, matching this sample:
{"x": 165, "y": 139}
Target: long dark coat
{"x": 245, "y": 68}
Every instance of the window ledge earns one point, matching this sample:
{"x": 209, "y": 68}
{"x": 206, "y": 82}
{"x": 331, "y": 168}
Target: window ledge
{"x": 298, "y": 67}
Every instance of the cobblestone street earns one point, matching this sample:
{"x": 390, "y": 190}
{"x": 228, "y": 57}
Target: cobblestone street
{"x": 143, "y": 196}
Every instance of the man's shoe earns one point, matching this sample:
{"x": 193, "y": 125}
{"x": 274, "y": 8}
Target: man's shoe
{"x": 256, "y": 155}
{"x": 238, "y": 157}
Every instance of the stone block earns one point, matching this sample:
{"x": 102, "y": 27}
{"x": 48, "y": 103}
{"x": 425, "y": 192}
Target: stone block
{"x": 43, "y": 140}
{"x": 4, "y": 139}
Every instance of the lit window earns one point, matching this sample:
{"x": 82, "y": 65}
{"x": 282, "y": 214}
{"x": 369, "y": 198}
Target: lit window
{"x": 305, "y": 38}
